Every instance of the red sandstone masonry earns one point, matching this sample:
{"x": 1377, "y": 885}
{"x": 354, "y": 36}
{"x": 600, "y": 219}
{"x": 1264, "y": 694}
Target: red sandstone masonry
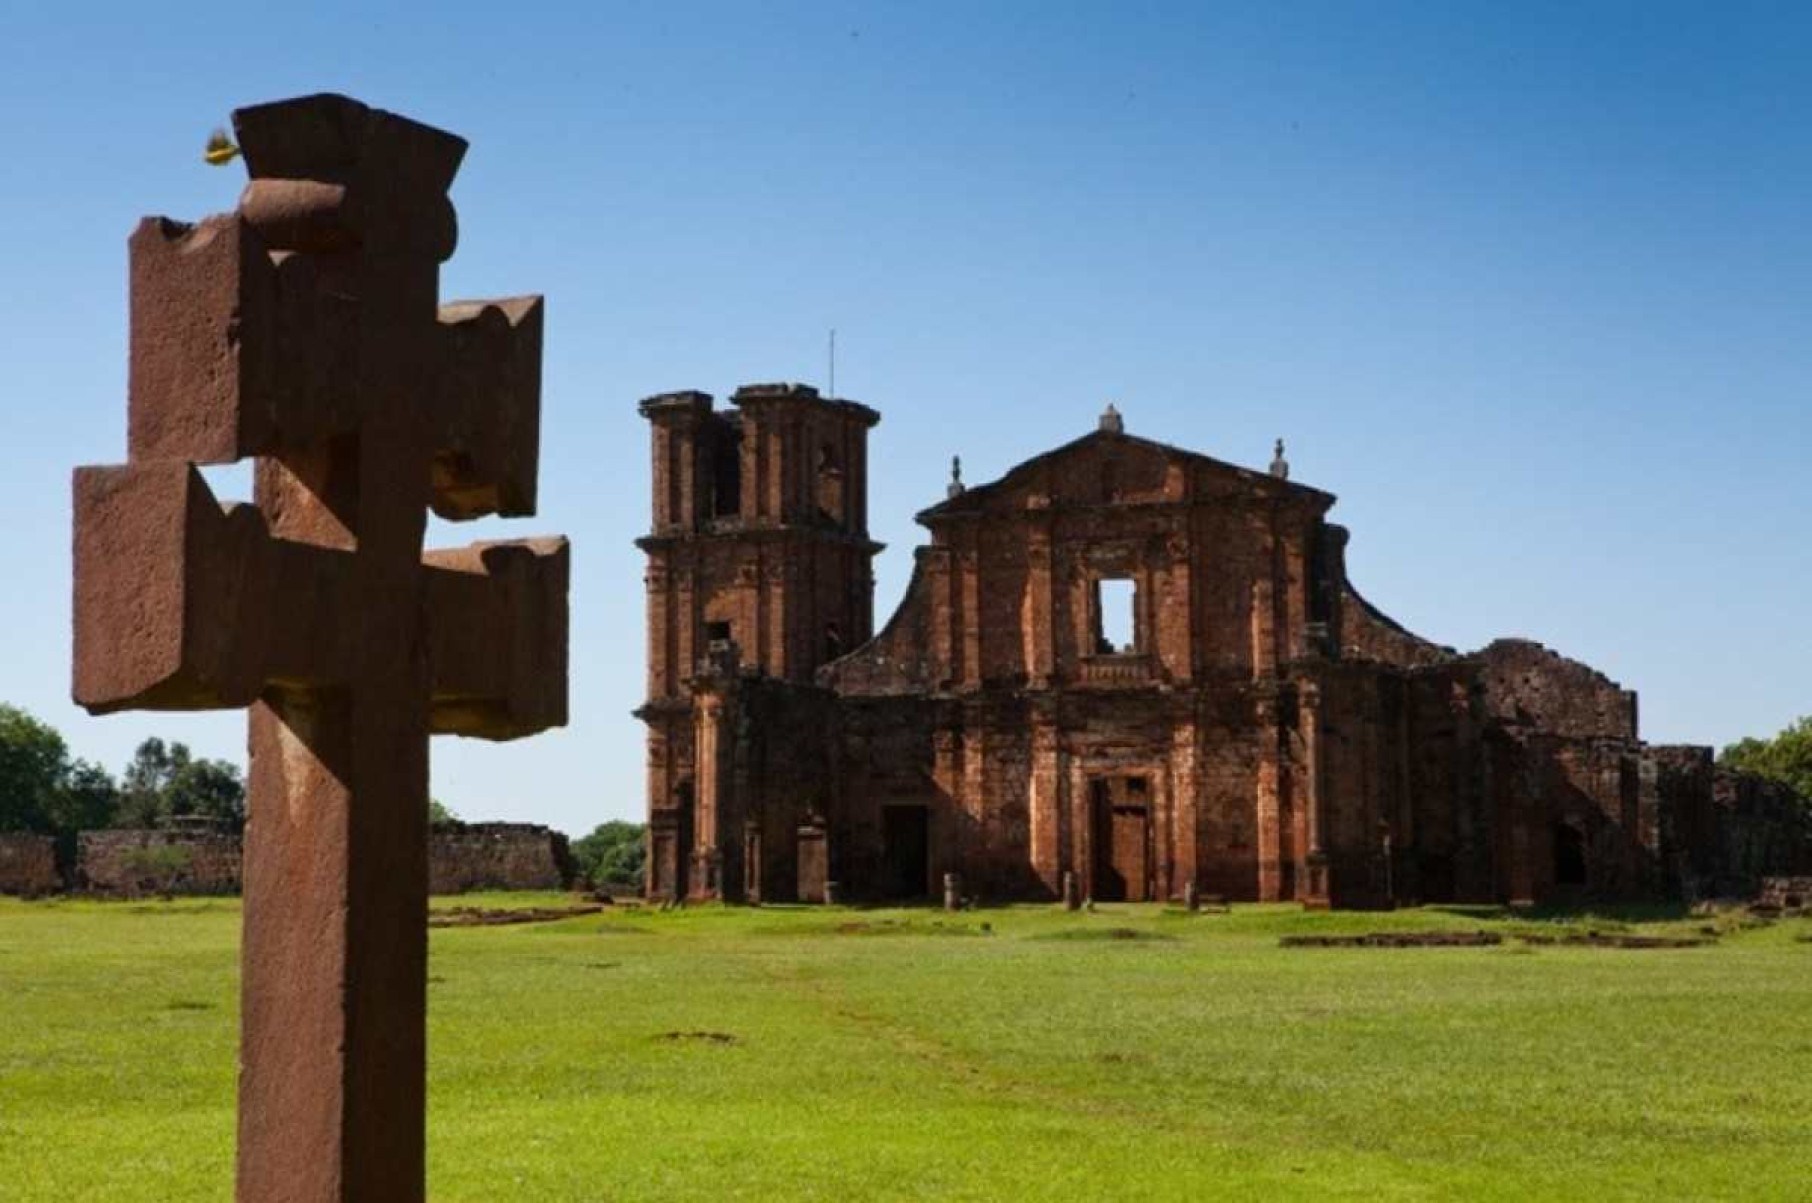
{"x": 497, "y": 856}
{"x": 1267, "y": 733}
{"x": 461, "y": 858}
{"x": 131, "y": 862}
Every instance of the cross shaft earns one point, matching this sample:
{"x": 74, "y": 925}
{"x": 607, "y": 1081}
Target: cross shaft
{"x": 303, "y": 329}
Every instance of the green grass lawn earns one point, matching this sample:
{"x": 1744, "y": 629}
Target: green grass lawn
{"x": 1005, "y": 1054}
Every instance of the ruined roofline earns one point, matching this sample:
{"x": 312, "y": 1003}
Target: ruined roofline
{"x": 969, "y": 500}
{"x": 700, "y": 404}
{"x": 1438, "y": 653}
{"x": 910, "y": 608}
{"x": 1506, "y": 643}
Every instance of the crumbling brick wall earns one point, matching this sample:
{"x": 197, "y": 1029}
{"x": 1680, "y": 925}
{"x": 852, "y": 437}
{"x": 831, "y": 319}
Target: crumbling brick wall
{"x": 158, "y": 862}
{"x": 28, "y": 864}
{"x": 1763, "y": 828}
{"x": 1787, "y": 893}
{"x": 461, "y": 857}
{"x": 1528, "y": 685}
{"x": 497, "y": 856}
{"x": 1135, "y": 666}
{"x": 1723, "y": 831}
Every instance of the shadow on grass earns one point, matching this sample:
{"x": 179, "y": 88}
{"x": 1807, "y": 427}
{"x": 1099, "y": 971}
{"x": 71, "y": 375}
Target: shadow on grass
{"x": 1112, "y": 934}
{"x": 842, "y": 922}
{"x": 1598, "y": 912}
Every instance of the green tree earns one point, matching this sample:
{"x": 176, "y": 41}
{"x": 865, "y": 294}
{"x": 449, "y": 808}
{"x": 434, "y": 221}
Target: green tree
{"x": 440, "y": 812}
{"x": 87, "y": 800}
{"x": 34, "y": 762}
{"x": 148, "y": 775}
{"x": 1787, "y": 757}
{"x": 207, "y": 789}
{"x": 42, "y": 790}
{"x": 166, "y": 781}
{"x": 613, "y": 854}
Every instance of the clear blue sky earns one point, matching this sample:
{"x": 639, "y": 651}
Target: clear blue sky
{"x": 1528, "y": 286}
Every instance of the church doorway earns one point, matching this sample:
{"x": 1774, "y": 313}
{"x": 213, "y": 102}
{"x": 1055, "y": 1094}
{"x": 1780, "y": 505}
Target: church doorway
{"x": 906, "y": 851}
{"x": 1570, "y": 872}
{"x": 1121, "y": 839}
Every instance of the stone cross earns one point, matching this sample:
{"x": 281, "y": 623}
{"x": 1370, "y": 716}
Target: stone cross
{"x": 304, "y": 329}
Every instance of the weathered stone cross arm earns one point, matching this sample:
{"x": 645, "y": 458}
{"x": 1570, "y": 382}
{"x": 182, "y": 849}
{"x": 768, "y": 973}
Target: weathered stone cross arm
{"x": 242, "y": 347}
{"x": 224, "y": 609}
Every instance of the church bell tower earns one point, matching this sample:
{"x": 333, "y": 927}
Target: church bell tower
{"x": 759, "y": 563}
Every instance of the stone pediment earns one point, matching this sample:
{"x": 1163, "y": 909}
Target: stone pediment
{"x": 1109, "y": 468}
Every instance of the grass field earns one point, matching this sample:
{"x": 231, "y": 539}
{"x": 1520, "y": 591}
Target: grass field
{"x": 1003, "y": 1054}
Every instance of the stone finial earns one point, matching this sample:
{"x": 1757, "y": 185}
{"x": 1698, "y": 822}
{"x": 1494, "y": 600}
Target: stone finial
{"x": 956, "y": 487}
{"x": 1111, "y": 421}
{"x": 1280, "y": 467}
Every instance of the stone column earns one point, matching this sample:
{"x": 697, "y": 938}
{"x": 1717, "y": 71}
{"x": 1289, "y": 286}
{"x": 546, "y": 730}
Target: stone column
{"x": 941, "y": 586}
{"x": 1269, "y": 824}
{"x": 946, "y": 774}
{"x": 710, "y": 754}
{"x": 1038, "y": 610}
{"x": 971, "y": 616}
{"x": 1044, "y": 802}
{"x": 1183, "y": 857}
{"x": 974, "y": 798}
{"x": 1315, "y": 892}
{"x": 1180, "y": 647}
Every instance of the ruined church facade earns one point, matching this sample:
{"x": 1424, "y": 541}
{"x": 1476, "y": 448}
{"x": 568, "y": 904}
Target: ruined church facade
{"x": 1126, "y": 669}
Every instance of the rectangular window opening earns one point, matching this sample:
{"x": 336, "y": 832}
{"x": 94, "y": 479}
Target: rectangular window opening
{"x": 726, "y": 476}
{"x": 1116, "y": 616}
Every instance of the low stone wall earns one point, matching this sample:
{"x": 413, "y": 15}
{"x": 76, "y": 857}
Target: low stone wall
{"x": 1723, "y": 831}
{"x": 497, "y": 856}
{"x": 28, "y": 864}
{"x": 158, "y": 862}
{"x": 1787, "y": 893}
{"x": 461, "y": 857}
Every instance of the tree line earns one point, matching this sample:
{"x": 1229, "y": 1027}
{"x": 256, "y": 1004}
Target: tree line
{"x": 1787, "y": 757}
{"x": 43, "y": 789}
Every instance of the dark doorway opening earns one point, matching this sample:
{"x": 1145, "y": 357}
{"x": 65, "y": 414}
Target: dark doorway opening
{"x": 1122, "y": 840}
{"x": 1434, "y": 877}
{"x": 1569, "y": 856}
{"x": 906, "y": 851}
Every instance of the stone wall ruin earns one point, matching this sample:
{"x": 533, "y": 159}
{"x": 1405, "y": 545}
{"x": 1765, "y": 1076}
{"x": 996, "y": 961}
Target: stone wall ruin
{"x": 1130, "y": 666}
